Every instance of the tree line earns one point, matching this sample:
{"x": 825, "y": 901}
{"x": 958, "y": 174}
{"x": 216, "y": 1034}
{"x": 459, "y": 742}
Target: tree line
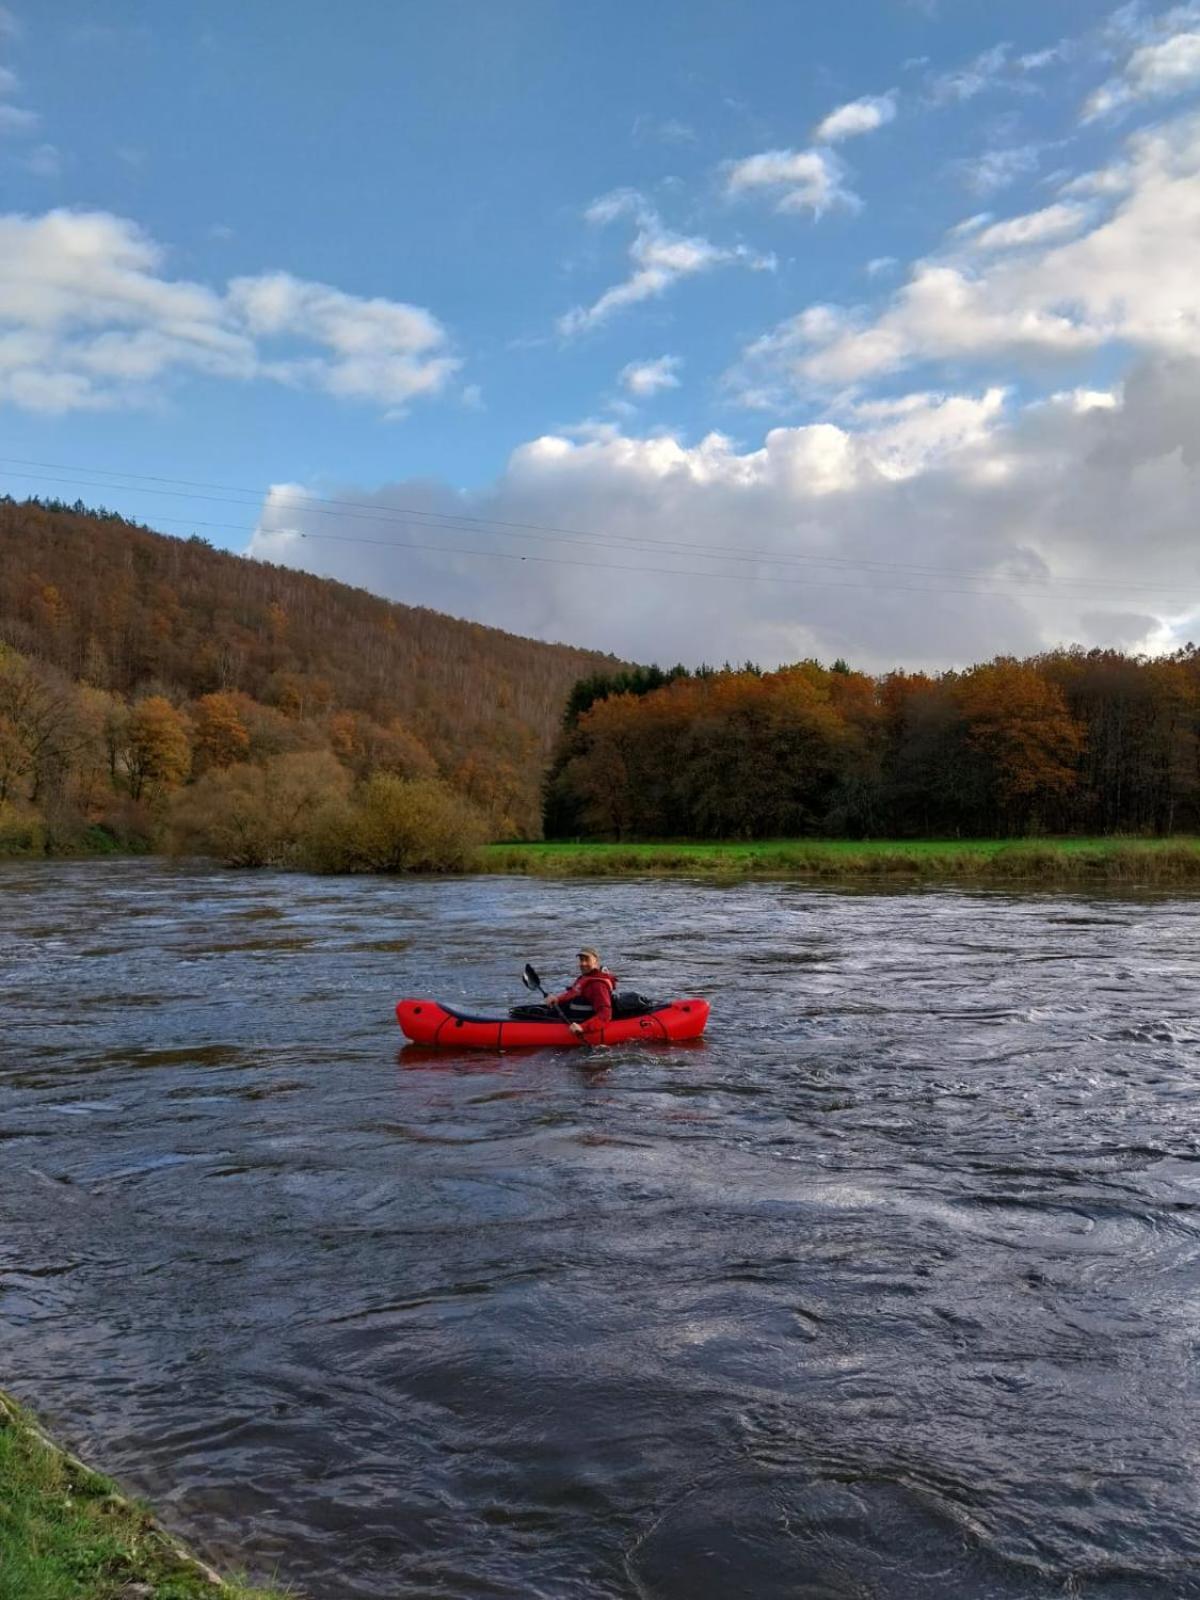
{"x": 134, "y": 665}
{"x": 1070, "y": 742}
{"x": 83, "y": 769}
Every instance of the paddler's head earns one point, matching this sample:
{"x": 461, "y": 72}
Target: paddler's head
{"x": 589, "y": 961}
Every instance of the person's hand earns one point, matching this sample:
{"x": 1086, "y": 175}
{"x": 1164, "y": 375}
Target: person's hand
{"x": 576, "y": 1029}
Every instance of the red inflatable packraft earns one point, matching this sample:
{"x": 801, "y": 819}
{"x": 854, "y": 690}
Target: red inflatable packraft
{"x": 430, "y": 1022}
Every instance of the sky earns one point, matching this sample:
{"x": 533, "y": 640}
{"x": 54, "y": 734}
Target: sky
{"x": 705, "y": 330}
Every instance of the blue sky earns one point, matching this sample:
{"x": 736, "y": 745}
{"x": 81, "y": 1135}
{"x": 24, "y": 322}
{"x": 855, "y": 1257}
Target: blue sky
{"x": 853, "y": 287}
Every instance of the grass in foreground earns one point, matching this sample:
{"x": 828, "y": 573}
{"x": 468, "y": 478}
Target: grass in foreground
{"x": 1104, "y": 860}
{"x": 66, "y": 1533}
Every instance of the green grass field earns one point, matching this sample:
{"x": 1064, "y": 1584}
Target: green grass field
{"x": 980, "y": 860}
{"x": 66, "y": 1533}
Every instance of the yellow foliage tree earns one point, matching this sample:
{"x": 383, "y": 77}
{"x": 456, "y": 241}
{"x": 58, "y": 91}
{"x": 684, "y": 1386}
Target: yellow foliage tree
{"x": 222, "y": 738}
{"x": 158, "y": 752}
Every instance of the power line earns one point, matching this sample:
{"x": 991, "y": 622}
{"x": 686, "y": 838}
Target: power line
{"x": 608, "y": 566}
{"x": 460, "y": 522}
{"x": 671, "y": 572}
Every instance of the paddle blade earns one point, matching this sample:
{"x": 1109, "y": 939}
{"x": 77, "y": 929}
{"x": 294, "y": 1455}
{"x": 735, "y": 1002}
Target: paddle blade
{"x": 530, "y": 977}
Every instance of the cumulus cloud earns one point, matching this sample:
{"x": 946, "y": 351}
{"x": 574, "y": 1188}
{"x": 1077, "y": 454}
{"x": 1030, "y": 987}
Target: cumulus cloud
{"x": 89, "y": 319}
{"x": 858, "y": 116}
{"x": 659, "y": 258}
{"x": 798, "y": 180}
{"x": 1126, "y": 278}
{"x": 930, "y": 528}
{"x": 645, "y": 378}
{"x": 381, "y": 350}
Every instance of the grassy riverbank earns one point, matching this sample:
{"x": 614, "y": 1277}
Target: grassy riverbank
{"x": 1112, "y": 860}
{"x": 66, "y": 1533}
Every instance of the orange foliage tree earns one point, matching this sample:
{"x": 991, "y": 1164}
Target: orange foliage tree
{"x": 158, "y": 752}
{"x": 221, "y": 737}
{"x": 1018, "y": 721}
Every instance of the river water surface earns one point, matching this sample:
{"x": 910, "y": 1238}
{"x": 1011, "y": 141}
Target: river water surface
{"x": 888, "y": 1290}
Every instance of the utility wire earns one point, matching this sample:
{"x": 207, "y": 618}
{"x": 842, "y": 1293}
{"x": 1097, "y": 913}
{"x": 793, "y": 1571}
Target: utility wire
{"x": 462, "y": 522}
{"x": 670, "y": 572}
{"x": 608, "y": 566}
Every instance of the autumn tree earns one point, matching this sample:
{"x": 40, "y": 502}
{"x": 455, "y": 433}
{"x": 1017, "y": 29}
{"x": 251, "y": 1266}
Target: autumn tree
{"x": 1019, "y": 722}
{"x": 366, "y": 746}
{"x": 39, "y": 731}
{"x": 406, "y": 825}
{"x": 262, "y": 815}
{"x": 221, "y": 737}
{"x": 157, "y": 751}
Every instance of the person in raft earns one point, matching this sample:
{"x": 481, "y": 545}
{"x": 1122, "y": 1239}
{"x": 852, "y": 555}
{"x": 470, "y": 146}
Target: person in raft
{"x": 594, "y": 987}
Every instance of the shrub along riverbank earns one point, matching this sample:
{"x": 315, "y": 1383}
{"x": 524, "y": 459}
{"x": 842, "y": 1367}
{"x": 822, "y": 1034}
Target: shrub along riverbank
{"x": 1111, "y": 860}
{"x": 66, "y": 1533}
{"x": 395, "y": 826}
{"x": 300, "y": 811}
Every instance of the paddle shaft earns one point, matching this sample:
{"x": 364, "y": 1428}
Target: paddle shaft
{"x": 554, "y": 1006}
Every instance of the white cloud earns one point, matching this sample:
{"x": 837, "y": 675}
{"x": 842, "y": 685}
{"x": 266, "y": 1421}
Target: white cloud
{"x": 1155, "y": 71}
{"x": 906, "y": 435}
{"x": 1080, "y": 400}
{"x": 10, "y": 28}
{"x": 943, "y": 313}
{"x": 858, "y": 116}
{"x": 620, "y": 203}
{"x": 1128, "y": 278}
{"x": 1115, "y": 179}
{"x": 659, "y": 259}
{"x": 645, "y": 378}
{"x": 801, "y": 180}
{"x": 44, "y": 161}
{"x": 1038, "y": 60}
{"x": 925, "y": 529}
{"x": 987, "y": 69}
{"x": 1052, "y": 222}
{"x": 15, "y": 119}
{"x": 666, "y": 130}
{"x": 1167, "y": 68}
{"x": 89, "y": 319}
{"x": 881, "y": 264}
{"x": 969, "y": 225}
{"x": 996, "y": 169}
{"x": 380, "y": 350}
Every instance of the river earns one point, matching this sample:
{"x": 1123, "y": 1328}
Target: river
{"x": 888, "y": 1290}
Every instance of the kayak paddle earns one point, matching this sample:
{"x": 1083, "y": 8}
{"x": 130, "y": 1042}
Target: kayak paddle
{"x": 531, "y": 980}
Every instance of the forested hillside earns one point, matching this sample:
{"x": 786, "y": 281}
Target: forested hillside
{"x": 137, "y": 662}
{"x": 1072, "y": 741}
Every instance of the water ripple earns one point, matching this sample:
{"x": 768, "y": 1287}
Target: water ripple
{"x": 886, "y": 1289}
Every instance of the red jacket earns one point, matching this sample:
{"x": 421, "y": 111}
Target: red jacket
{"x": 596, "y": 988}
